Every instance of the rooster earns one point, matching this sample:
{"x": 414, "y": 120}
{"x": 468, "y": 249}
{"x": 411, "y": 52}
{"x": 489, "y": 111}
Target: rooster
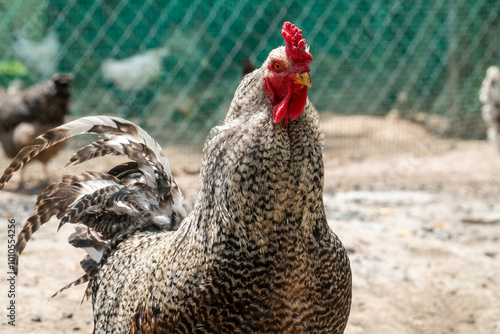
{"x": 489, "y": 94}
{"x": 26, "y": 114}
{"x": 254, "y": 255}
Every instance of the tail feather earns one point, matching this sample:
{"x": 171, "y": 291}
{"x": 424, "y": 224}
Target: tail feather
{"x": 146, "y": 159}
{"x": 110, "y": 209}
{"x": 55, "y": 201}
{"x": 32, "y": 225}
{"x": 132, "y": 196}
{"x": 81, "y": 280}
{"x": 129, "y": 173}
{"x": 85, "y": 202}
{"x": 91, "y": 242}
{"x": 88, "y": 240}
{"x": 116, "y": 146}
{"x": 103, "y": 125}
{"x": 91, "y": 269}
{"x": 123, "y": 170}
{"x": 93, "y": 150}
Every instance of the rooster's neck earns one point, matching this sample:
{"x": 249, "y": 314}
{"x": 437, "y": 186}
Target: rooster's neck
{"x": 250, "y": 159}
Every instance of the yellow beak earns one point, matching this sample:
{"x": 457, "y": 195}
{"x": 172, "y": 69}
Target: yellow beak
{"x": 303, "y": 79}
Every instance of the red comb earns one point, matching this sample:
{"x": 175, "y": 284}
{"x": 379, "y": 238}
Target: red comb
{"x": 295, "y": 45}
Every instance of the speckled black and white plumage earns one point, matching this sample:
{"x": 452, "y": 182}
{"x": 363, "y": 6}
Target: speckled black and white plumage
{"x": 131, "y": 197}
{"x": 255, "y": 255}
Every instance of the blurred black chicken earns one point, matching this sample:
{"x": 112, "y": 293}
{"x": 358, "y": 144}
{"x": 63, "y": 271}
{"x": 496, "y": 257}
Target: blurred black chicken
{"x": 248, "y": 67}
{"x": 27, "y": 113}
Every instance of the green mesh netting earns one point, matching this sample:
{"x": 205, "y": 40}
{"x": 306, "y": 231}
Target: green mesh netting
{"x": 172, "y": 66}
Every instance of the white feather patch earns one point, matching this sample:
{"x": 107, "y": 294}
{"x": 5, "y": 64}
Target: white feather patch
{"x": 93, "y": 253}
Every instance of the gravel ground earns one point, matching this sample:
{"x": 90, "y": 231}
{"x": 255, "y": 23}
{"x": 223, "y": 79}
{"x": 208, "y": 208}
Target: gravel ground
{"x": 421, "y": 221}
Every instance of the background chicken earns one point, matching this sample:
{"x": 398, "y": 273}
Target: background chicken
{"x": 254, "y": 255}
{"x": 489, "y": 94}
{"x": 248, "y": 67}
{"x": 136, "y": 71}
{"x": 40, "y": 56}
{"x": 26, "y": 114}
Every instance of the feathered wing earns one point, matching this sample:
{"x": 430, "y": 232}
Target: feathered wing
{"x": 131, "y": 196}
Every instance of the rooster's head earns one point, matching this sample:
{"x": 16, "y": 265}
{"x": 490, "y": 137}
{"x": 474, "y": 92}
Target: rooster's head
{"x": 286, "y": 77}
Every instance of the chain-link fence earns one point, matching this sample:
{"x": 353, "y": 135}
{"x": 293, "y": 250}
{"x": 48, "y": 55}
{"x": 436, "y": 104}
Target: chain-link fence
{"x": 172, "y": 66}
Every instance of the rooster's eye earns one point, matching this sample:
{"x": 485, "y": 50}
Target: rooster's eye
{"x": 278, "y": 67}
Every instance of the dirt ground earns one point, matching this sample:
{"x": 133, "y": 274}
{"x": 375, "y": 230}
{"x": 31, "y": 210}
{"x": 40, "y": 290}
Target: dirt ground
{"x": 420, "y": 217}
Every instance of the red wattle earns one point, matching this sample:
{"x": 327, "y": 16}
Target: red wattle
{"x": 280, "y": 110}
{"x": 296, "y": 105}
{"x": 287, "y": 108}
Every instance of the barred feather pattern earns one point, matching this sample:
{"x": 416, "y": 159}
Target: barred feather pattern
{"x": 90, "y": 267}
{"x": 256, "y": 254}
{"x": 84, "y": 237}
{"x": 108, "y": 126}
{"x": 92, "y": 151}
{"x": 130, "y": 197}
{"x": 54, "y": 201}
{"x": 83, "y": 204}
{"x": 89, "y": 240}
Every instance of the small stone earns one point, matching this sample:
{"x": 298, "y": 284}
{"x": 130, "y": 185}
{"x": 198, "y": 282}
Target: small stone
{"x": 443, "y": 236}
{"x": 36, "y": 318}
{"x": 421, "y": 233}
{"x": 490, "y": 254}
{"x": 492, "y": 238}
{"x": 68, "y": 315}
